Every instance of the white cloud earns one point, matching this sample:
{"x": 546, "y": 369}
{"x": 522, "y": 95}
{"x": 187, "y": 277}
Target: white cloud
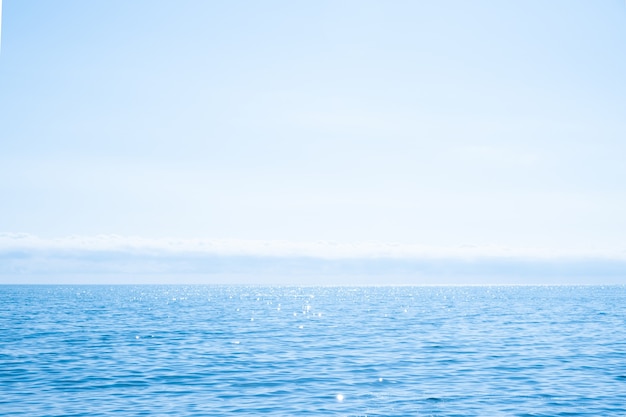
{"x": 276, "y": 248}
{"x": 107, "y": 259}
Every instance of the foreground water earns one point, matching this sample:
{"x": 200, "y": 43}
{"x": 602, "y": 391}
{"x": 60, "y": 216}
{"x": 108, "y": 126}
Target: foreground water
{"x": 209, "y": 351}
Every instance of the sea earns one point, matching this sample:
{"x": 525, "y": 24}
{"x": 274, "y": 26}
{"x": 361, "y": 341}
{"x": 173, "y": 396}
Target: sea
{"x": 317, "y": 351}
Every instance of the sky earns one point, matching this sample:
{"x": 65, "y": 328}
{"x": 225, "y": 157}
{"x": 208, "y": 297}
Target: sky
{"x": 484, "y": 134}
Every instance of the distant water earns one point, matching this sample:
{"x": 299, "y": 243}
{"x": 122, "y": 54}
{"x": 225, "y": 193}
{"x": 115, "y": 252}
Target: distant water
{"x": 371, "y": 351}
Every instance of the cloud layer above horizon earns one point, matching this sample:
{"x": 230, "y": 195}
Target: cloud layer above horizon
{"x": 105, "y": 259}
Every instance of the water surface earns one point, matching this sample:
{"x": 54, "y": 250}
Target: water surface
{"x": 280, "y": 351}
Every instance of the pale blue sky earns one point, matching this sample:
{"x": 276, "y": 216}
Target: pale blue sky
{"x": 442, "y": 123}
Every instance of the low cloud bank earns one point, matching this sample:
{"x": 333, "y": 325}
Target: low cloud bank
{"x": 118, "y": 259}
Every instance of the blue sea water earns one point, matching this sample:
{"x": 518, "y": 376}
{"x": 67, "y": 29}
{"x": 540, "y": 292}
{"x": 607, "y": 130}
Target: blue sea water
{"x": 286, "y": 351}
